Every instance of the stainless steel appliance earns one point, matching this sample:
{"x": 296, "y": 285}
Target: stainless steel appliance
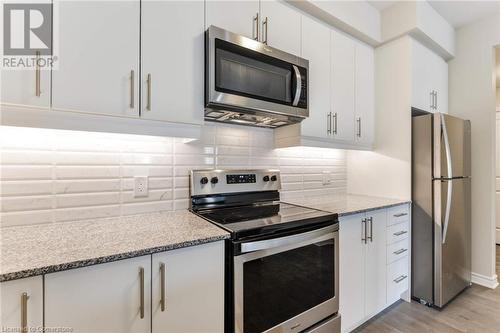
{"x": 441, "y": 221}
{"x": 251, "y": 83}
{"x": 282, "y": 261}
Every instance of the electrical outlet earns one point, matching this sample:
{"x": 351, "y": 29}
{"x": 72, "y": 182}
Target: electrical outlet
{"x": 140, "y": 186}
{"x": 327, "y": 180}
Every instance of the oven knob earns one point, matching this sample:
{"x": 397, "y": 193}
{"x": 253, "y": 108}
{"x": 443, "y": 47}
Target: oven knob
{"x": 214, "y": 180}
{"x": 204, "y": 180}
{"x": 274, "y": 178}
{"x": 266, "y": 178}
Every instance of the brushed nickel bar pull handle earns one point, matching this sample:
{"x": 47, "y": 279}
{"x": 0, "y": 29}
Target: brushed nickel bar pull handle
{"x": 148, "y": 102}
{"x": 401, "y": 278}
{"x": 431, "y": 94}
{"x": 363, "y": 236}
{"x": 38, "y": 91}
{"x": 265, "y": 25}
{"x": 371, "y": 228}
{"x": 329, "y": 123}
{"x": 162, "y": 286}
{"x": 141, "y": 277}
{"x": 335, "y": 117}
{"x": 436, "y": 100}
{"x": 24, "y": 312}
{"x": 132, "y": 97}
{"x": 255, "y": 27}
{"x": 399, "y": 233}
{"x": 400, "y": 214}
{"x": 358, "y": 121}
{"x": 400, "y": 251}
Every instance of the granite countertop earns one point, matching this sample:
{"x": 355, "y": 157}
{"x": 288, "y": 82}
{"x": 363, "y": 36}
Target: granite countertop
{"x": 40, "y": 249}
{"x": 346, "y": 204}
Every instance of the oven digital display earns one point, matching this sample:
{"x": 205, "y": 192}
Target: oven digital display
{"x": 241, "y": 179}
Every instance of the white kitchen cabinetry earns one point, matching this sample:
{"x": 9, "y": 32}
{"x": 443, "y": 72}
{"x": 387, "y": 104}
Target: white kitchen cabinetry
{"x": 172, "y": 61}
{"x": 21, "y": 304}
{"x": 98, "y": 57}
{"x": 188, "y": 290}
{"x": 110, "y": 297}
{"x": 372, "y": 276}
{"x": 316, "y": 49}
{"x": 342, "y": 86}
{"x": 429, "y": 80}
{"x": 280, "y": 26}
{"x": 240, "y": 17}
{"x": 20, "y": 87}
{"x": 365, "y": 94}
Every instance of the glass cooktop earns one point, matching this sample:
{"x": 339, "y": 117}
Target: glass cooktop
{"x": 264, "y": 218}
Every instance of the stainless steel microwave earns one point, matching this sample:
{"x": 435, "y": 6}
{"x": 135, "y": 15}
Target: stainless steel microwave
{"x": 251, "y": 83}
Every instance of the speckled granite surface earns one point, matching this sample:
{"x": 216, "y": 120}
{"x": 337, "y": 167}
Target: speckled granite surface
{"x": 346, "y": 204}
{"x": 39, "y": 249}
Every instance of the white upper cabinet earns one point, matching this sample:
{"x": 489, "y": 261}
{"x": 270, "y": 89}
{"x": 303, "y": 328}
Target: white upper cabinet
{"x": 172, "y": 61}
{"x": 240, "y": 17}
{"x": 316, "y": 49}
{"x": 280, "y": 26}
{"x": 98, "y": 57}
{"x": 22, "y": 304}
{"x": 26, "y": 87}
{"x": 105, "y": 298}
{"x": 365, "y": 94}
{"x": 342, "y": 88}
{"x": 430, "y": 80}
{"x": 188, "y": 290}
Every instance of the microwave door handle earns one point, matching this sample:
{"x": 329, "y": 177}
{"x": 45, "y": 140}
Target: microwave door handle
{"x": 298, "y": 86}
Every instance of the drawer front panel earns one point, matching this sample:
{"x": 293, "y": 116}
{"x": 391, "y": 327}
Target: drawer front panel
{"x": 398, "y": 214}
{"x": 397, "y": 251}
{"x": 397, "y": 279}
{"x": 398, "y": 232}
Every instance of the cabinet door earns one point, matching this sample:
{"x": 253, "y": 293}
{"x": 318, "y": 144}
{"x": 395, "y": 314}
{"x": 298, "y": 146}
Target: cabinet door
{"x": 375, "y": 262}
{"x": 103, "y": 298}
{"x": 98, "y": 57}
{"x": 342, "y": 76}
{"x": 193, "y": 290}
{"x": 172, "y": 58}
{"x": 235, "y": 16}
{"x": 280, "y": 26}
{"x": 441, "y": 85}
{"x": 365, "y": 94}
{"x": 19, "y": 87}
{"x": 316, "y": 48}
{"x": 422, "y": 77}
{"x": 352, "y": 271}
{"x": 18, "y": 296}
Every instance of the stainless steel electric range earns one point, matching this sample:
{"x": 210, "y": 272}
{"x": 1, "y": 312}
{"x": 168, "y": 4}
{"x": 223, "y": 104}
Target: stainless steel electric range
{"x": 282, "y": 261}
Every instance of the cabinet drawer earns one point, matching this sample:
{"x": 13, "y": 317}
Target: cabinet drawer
{"x": 397, "y": 251}
{"x": 397, "y": 279}
{"x": 397, "y": 232}
{"x": 398, "y": 214}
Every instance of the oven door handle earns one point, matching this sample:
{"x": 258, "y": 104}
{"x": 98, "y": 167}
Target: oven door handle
{"x": 288, "y": 240}
{"x": 298, "y": 85}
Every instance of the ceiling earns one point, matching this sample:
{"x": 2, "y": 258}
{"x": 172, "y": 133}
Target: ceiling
{"x": 457, "y": 13}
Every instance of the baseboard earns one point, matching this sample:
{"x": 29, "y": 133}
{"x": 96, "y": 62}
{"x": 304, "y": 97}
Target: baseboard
{"x": 485, "y": 281}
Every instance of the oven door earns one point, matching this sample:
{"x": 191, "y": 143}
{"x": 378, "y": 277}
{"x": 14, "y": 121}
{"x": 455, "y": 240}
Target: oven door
{"x": 287, "y": 284}
{"x": 244, "y": 74}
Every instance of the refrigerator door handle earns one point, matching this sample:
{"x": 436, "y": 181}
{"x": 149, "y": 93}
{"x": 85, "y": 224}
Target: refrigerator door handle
{"x": 448, "y": 209}
{"x": 447, "y": 147}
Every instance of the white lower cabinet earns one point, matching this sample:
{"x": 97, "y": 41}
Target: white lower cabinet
{"x": 21, "y": 307}
{"x": 188, "y": 290}
{"x": 111, "y": 297}
{"x": 368, "y": 281}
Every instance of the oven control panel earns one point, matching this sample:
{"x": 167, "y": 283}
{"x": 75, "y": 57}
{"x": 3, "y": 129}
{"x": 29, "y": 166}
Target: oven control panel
{"x": 206, "y": 182}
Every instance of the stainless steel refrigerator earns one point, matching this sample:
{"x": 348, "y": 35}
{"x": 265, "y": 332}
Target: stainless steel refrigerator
{"x": 441, "y": 208}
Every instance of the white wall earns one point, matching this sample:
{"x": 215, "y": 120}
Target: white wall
{"x": 386, "y": 171}
{"x": 472, "y": 96}
{"x": 498, "y": 99}
{"x": 55, "y": 176}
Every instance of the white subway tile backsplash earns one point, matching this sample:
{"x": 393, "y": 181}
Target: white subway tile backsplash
{"x": 51, "y": 176}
